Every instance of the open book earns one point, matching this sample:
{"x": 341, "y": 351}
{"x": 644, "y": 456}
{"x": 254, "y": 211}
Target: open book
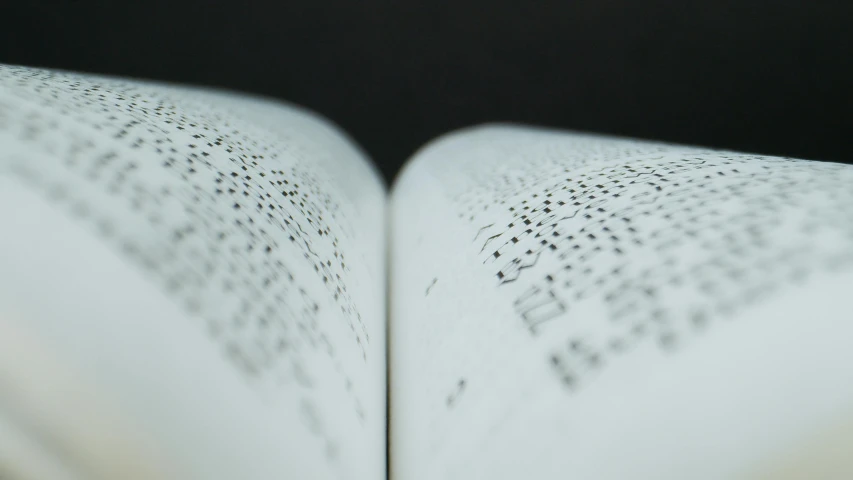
{"x": 198, "y": 284}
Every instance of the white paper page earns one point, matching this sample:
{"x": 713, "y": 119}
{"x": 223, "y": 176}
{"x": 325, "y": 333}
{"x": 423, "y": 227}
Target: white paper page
{"x": 208, "y": 271}
{"x": 578, "y": 306}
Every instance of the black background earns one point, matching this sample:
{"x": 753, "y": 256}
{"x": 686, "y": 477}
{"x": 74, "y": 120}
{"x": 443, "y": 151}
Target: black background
{"x": 769, "y": 77}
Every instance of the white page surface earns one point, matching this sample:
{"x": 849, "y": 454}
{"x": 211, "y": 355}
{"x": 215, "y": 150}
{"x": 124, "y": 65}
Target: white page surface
{"x": 212, "y": 265}
{"x": 578, "y": 306}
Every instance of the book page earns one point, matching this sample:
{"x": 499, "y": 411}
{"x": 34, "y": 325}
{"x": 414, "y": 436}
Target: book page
{"x": 191, "y": 285}
{"x": 567, "y": 305}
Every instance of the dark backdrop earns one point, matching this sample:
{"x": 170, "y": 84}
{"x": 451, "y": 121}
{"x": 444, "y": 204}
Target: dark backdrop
{"x": 769, "y": 77}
